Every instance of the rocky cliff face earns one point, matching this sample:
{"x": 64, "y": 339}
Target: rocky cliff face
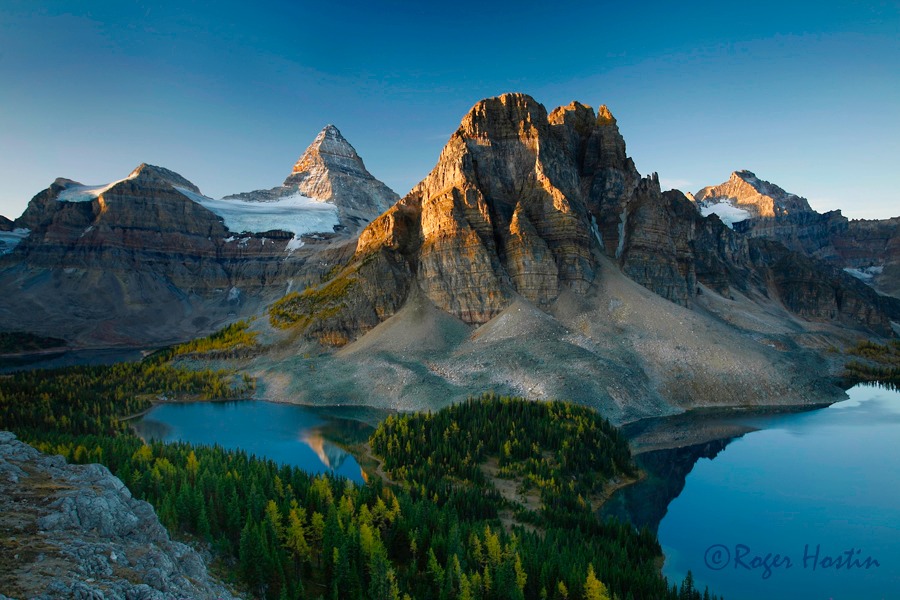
{"x": 137, "y": 263}
{"x": 75, "y": 532}
{"x": 812, "y": 290}
{"x": 331, "y": 171}
{"x": 867, "y": 249}
{"x": 149, "y": 260}
{"x": 522, "y": 204}
{"x": 670, "y": 249}
{"x": 871, "y": 251}
{"x": 502, "y": 214}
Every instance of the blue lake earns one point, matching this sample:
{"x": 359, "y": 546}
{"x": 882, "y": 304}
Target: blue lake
{"x": 807, "y": 487}
{"x": 288, "y": 434}
{"x": 810, "y": 488}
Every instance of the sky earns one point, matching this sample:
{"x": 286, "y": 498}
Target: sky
{"x": 230, "y": 93}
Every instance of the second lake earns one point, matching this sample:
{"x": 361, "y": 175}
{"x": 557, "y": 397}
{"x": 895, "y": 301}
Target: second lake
{"x": 288, "y": 434}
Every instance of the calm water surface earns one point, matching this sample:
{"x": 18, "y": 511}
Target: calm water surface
{"x": 808, "y": 487}
{"x": 286, "y": 433}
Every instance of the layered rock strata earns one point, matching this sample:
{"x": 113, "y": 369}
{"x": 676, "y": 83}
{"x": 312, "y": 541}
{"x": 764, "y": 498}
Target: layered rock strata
{"x": 866, "y": 249}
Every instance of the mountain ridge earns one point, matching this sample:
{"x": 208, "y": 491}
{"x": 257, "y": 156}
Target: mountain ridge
{"x": 520, "y": 202}
{"x": 533, "y": 260}
{"x": 148, "y": 259}
{"x": 550, "y": 268}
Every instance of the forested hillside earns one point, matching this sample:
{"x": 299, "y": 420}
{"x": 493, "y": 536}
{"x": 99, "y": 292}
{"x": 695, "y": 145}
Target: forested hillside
{"x": 874, "y": 363}
{"x": 436, "y": 532}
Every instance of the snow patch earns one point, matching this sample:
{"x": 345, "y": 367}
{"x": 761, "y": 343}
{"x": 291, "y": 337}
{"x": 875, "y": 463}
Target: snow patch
{"x": 295, "y": 244}
{"x": 87, "y": 193}
{"x": 865, "y": 274}
{"x": 10, "y": 239}
{"x": 725, "y": 209}
{"x": 234, "y": 294}
{"x": 298, "y": 214}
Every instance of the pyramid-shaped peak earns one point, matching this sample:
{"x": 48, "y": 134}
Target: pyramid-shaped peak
{"x": 329, "y": 146}
{"x": 331, "y": 135}
{"x": 331, "y": 130}
{"x": 763, "y": 187}
{"x": 330, "y": 170}
{"x": 760, "y": 197}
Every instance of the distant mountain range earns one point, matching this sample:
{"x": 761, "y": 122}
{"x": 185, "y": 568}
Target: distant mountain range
{"x": 866, "y": 249}
{"x": 148, "y": 259}
{"x": 534, "y": 259}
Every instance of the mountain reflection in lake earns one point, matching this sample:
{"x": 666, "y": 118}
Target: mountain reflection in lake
{"x": 644, "y": 504}
{"x": 286, "y": 433}
{"x": 330, "y": 455}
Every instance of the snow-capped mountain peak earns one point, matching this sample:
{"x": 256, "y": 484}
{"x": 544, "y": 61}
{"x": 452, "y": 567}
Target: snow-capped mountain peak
{"x": 746, "y": 196}
{"x": 331, "y": 171}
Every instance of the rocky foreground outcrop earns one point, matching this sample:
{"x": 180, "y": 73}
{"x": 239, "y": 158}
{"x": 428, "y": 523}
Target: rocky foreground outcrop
{"x": 523, "y": 203}
{"x": 72, "y": 531}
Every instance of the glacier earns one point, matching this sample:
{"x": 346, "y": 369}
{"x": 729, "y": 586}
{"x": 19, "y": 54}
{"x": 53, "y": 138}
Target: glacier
{"x": 297, "y": 214}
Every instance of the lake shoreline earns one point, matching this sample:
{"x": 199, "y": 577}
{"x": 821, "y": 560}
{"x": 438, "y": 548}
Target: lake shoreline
{"x": 702, "y": 425}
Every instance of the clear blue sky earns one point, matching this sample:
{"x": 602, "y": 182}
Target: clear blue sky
{"x": 805, "y": 94}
